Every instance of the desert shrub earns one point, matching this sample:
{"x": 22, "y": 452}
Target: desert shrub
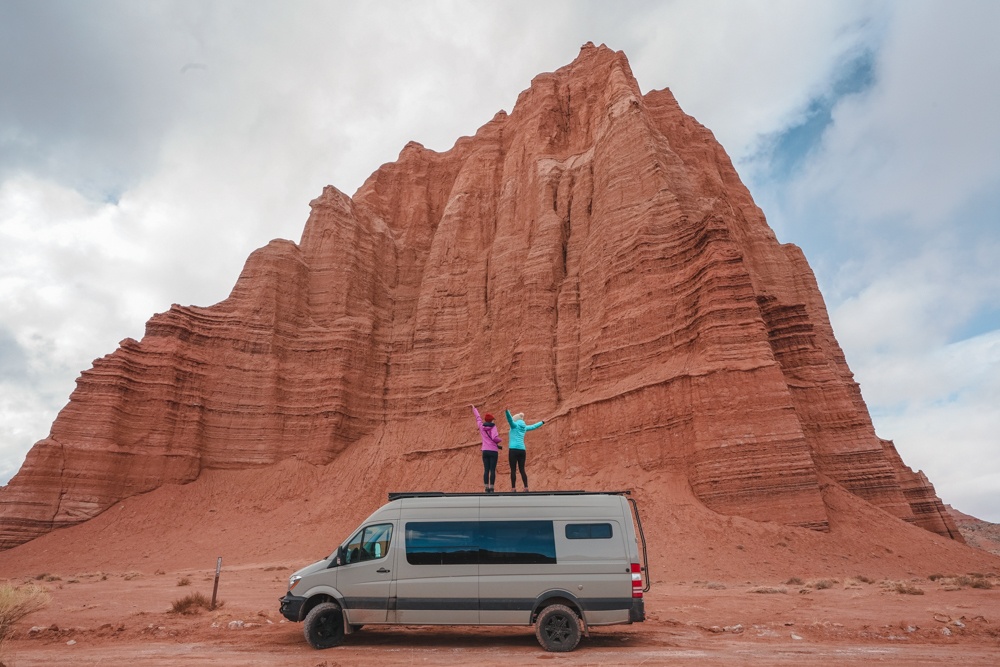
{"x": 863, "y": 579}
{"x": 183, "y": 581}
{"x": 16, "y": 602}
{"x": 768, "y": 590}
{"x": 40, "y": 577}
{"x": 963, "y": 581}
{"x": 823, "y": 584}
{"x": 715, "y": 586}
{"x": 794, "y": 581}
{"x": 935, "y": 577}
{"x": 192, "y": 603}
{"x": 907, "y": 589}
{"x": 981, "y": 583}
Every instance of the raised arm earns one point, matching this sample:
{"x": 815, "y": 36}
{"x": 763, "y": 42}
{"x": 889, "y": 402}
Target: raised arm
{"x": 533, "y": 426}
{"x": 509, "y": 420}
{"x": 479, "y": 420}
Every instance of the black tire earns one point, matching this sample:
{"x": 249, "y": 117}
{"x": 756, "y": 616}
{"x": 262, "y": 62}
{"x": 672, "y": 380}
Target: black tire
{"x": 324, "y": 626}
{"x": 557, "y": 628}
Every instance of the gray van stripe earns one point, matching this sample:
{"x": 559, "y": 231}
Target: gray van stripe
{"x": 366, "y": 603}
{"x": 485, "y": 604}
{"x": 506, "y": 604}
{"x": 438, "y": 604}
{"x": 605, "y": 604}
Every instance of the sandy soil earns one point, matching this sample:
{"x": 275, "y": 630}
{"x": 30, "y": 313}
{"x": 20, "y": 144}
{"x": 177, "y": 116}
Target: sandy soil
{"x": 113, "y": 579}
{"x": 122, "y": 618}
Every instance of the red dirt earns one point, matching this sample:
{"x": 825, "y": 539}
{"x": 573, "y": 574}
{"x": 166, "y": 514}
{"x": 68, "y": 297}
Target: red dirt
{"x": 119, "y": 620}
{"x": 118, "y": 575}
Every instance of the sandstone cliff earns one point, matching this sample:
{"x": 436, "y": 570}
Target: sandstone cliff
{"x": 591, "y": 259}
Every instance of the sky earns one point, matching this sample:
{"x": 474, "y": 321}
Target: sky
{"x": 147, "y": 148}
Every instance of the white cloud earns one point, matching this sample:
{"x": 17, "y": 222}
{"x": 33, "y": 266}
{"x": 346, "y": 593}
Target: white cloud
{"x": 925, "y": 139}
{"x": 146, "y": 150}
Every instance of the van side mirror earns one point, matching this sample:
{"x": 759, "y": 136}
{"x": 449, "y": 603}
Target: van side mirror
{"x": 338, "y": 560}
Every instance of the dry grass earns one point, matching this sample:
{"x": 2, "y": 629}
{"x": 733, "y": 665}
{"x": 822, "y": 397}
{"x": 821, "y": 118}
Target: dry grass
{"x": 905, "y": 588}
{"x": 193, "y": 603}
{"x": 16, "y": 602}
{"x": 768, "y": 590}
{"x": 974, "y": 580}
{"x": 183, "y": 581}
{"x": 823, "y": 584}
{"x": 794, "y": 581}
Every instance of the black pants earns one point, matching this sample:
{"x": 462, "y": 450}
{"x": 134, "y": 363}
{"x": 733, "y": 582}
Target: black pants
{"x": 490, "y": 467}
{"x": 516, "y": 459}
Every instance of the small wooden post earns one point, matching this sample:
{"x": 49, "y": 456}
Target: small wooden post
{"x": 215, "y": 589}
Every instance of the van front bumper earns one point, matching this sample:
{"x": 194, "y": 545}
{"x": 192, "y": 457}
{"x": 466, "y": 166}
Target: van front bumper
{"x": 291, "y": 607}
{"x": 637, "y": 613}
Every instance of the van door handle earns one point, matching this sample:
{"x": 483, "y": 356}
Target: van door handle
{"x": 382, "y": 570}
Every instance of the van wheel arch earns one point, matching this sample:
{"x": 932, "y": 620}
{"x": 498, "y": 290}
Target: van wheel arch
{"x": 564, "y": 598}
{"x": 316, "y": 600}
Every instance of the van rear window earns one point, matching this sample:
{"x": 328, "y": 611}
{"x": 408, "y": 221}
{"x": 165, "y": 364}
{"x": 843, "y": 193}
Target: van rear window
{"x": 480, "y": 542}
{"x": 588, "y": 531}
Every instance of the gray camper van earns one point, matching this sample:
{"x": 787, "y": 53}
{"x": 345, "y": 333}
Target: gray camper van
{"x": 561, "y": 561}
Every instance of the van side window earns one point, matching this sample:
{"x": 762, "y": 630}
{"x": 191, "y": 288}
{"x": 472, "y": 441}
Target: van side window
{"x": 517, "y": 543}
{"x": 480, "y": 542}
{"x": 442, "y": 542}
{"x": 588, "y": 531}
{"x": 370, "y": 543}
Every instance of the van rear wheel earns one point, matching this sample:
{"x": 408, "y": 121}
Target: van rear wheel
{"x": 324, "y": 626}
{"x": 557, "y": 628}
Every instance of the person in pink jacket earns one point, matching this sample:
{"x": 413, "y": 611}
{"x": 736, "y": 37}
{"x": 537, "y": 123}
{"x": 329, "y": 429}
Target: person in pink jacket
{"x": 491, "y": 447}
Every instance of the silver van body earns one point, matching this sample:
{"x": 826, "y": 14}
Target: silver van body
{"x": 480, "y": 559}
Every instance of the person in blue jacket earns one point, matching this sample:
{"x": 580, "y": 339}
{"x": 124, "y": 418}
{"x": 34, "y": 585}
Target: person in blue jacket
{"x": 515, "y": 447}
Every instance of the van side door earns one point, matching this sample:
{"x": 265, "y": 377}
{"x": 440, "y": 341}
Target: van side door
{"x": 437, "y": 571}
{"x": 365, "y": 577}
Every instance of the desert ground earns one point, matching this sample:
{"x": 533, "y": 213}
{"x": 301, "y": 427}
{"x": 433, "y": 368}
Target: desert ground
{"x": 724, "y": 590}
{"x": 116, "y": 619}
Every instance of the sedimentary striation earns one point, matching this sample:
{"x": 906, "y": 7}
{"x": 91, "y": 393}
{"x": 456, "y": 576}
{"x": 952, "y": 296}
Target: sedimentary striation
{"x": 592, "y": 259}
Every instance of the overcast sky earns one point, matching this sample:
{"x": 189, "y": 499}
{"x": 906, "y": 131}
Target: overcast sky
{"x": 147, "y": 148}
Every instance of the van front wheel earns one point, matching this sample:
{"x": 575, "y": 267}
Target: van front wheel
{"x": 324, "y": 626}
{"x": 557, "y": 628}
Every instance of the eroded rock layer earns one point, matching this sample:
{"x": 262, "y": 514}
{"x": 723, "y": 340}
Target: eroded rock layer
{"x": 591, "y": 259}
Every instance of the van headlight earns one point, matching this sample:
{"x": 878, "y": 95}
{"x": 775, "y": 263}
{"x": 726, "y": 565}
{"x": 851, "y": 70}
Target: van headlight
{"x": 293, "y": 580}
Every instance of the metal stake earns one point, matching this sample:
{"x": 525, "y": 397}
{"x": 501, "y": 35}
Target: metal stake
{"x": 215, "y": 589}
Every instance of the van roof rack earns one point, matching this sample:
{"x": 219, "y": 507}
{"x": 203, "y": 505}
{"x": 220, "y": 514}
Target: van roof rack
{"x": 396, "y": 495}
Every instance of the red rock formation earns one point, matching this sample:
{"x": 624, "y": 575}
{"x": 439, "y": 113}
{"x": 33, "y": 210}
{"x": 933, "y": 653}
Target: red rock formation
{"x": 592, "y": 258}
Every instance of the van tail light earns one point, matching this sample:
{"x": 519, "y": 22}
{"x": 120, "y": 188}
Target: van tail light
{"x": 636, "y": 581}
